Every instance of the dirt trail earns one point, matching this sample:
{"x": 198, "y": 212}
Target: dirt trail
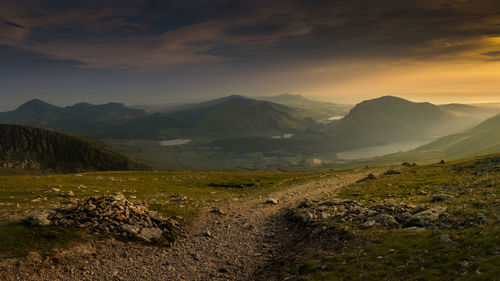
{"x": 240, "y": 245}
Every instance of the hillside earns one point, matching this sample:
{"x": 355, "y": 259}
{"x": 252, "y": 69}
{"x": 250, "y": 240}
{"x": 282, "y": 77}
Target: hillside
{"x": 37, "y": 149}
{"x": 221, "y": 118}
{"x": 390, "y": 119}
{"x": 480, "y": 140}
{"x": 317, "y": 110}
{"x": 81, "y": 117}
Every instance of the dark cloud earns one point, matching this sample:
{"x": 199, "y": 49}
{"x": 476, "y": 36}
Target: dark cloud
{"x": 202, "y": 42}
{"x": 492, "y": 54}
{"x": 4, "y": 21}
{"x": 223, "y": 29}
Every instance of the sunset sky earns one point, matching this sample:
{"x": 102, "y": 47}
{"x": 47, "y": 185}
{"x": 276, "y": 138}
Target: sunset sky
{"x": 158, "y": 51}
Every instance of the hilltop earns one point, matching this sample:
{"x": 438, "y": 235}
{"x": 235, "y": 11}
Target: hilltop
{"x": 30, "y": 148}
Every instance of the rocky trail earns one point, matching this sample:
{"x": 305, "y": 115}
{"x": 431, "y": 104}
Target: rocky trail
{"x": 244, "y": 240}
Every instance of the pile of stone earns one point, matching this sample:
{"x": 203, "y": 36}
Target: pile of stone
{"x": 384, "y": 214}
{"x": 113, "y": 214}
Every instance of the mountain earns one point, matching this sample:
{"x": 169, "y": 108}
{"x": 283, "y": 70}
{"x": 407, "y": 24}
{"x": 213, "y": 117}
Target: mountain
{"x": 81, "y": 118}
{"x": 390, "y": 119}
{"x": 317, "y": 110}
{"x": 30, "y": 148}
{"x": 221, "y": 118}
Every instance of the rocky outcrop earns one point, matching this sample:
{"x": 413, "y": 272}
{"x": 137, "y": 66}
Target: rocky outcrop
{"x": 383, "y": 214}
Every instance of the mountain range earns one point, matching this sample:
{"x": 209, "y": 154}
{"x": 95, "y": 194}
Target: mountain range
{"x": 239, "y": 127}
{"x": 79, "y": 118}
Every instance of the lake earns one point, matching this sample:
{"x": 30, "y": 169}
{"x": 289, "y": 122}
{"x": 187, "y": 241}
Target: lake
{"x": 173, "y": 142}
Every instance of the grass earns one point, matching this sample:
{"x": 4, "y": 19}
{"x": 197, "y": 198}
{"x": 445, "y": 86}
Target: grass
{"x": 21, "y": 195}
{"x": 410, "y": 256}
{"x": 17, "y": 240}
{"x": 397, "y": 254}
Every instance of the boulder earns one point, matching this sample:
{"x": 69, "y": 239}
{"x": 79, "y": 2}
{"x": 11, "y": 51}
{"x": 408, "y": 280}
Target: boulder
{"x": 425, "y": 218}
{"x": 386, "y": 220}
{"x": 445, "y": 239}
{"x": 368, "y": 224}
{"x": 441, "y": 197}
{"x": 150, "y": 234}
{"x": 41, "y": 219}
{"x": 272, "y": 201}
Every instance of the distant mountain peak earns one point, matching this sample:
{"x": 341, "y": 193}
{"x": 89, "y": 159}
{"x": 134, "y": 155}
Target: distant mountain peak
{"x": 36, "y": 104}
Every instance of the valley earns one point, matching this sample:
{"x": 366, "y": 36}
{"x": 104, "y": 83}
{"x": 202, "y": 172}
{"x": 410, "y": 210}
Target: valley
{"x": 281, "y": 133}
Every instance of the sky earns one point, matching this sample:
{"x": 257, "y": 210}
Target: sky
{"x": 161, "y": 51}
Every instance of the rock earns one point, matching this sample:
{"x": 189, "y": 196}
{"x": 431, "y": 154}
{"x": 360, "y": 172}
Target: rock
{"x": 308, "y": 217}
{"x": 305, "y": 204}
{"x": 481, "y": 219}
{"x": 195, "y": 256}
{"x": 391, "y": 172}
{"x": 479, "y": 204}
{"x": 218, "y": 211}
{"x": 441, "y": 197}
{"x": 54, "y": 189}
{"x": 414, "y": 229}
{"x": 386, "y": 220}
{"x": 272, "y": 201}
{"x": 425, "y": 218}
{"x": 41, "y": 219}
{"x": 114, "y": 214}
{"x": 368, "y": 177}
{"x": 368, "y": 224}
{"x": 68, "y": 194}
{"x": 208, "y": 233}
{"x": 150, "y": 234}
{"x": 130, "y": 229}
{"x": 118, "y": 197}
{"x": 179, "y": 197}
{"x": 445, "y": 239}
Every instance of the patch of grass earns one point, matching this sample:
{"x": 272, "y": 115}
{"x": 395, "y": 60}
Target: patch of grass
{"x": 402, "y": 255}
{"x": 17, "y": 240}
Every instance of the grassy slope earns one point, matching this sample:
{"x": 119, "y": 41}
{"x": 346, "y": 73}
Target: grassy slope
{"x": 380, "y": 254}
{"x": 23, "y": 195}
{"x": 482, "y": 139}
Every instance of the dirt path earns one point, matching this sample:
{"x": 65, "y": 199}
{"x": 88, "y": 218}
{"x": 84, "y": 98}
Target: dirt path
{"x": 239, "y": 245}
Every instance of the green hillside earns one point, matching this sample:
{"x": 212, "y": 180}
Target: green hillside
{"x": 480, "y": 140}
